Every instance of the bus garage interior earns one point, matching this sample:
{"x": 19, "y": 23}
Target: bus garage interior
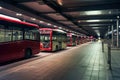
{"x": 59, "y": 40}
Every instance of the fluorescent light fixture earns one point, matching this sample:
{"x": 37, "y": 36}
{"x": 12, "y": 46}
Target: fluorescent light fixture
{"x": 67, "y": 30}
{"x": 33, "y": 19}
{"x": 92, "y": 20}
{"x": 60, "y": 2}
{"x": 1, "y": 7}
{"x": 110, "y": 12}
{"x": 95, "y": 27}
{"x": 18, "y": 14}
{"x": 48, "y": 24}
{"x": 54, "y": 26}
{"x": 98, "y": 34}
{"x": 118, "y": 17}
{"x": 60, "y": 27}
{"x": 93, "y": 12}
{"x": 41, "y": 21}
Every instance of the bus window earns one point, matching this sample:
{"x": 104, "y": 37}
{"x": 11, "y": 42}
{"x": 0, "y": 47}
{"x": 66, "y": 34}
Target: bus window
{"x": 54, "y": 38}
{"x": 17, "y": 33}
{"x": 8, "y": 34}
{"x": 45, "y": 37}
{"x": 32, "y": 34}
{"x": 2, "y": 33}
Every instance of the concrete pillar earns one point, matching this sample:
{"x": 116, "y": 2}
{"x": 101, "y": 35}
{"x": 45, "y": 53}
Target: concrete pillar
{"x": 108, "y": 32}
{"x": 117, "y": 33}
{"x": 112, "y": 28}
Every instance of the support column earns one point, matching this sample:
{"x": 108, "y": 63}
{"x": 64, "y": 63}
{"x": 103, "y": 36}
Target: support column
{"x": 117, "y": 33}
{"x": 112, "y": 35}
{"x": 108, "y": 32}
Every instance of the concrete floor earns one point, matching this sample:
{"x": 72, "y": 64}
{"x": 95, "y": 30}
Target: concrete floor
{"x": 83, "y": 62}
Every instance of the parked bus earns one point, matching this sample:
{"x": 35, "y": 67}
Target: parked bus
{"x": 78, "y": 40}
{"x": 52, "y": 39}
{"x": 71, "y": 39}
{"x": 17, "y": 39}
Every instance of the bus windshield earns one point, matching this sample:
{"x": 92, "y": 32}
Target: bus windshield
{"x": 68, "y": 39}
{"x": 45, "y": 37}
{"x": 74, "y": 38}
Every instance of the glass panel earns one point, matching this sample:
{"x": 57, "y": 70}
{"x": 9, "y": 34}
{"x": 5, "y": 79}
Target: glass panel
{"x": 17, "y": 33}
{"x": 8, "y": 34}
{"x": 32, "y": 34}
{"x": 2, "y": 33}
{"x": 45, "y": 37}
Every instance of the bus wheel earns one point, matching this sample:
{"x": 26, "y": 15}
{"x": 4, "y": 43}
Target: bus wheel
{"x": 28, "y": 53}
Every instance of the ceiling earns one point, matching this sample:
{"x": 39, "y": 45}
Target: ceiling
{"x": 90, "y": 17}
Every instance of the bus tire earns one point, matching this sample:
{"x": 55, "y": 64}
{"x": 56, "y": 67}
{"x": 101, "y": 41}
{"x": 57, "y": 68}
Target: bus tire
{"x": 28, "y": 53}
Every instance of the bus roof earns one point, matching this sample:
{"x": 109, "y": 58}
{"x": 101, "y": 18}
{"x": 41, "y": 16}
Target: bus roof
{"x": 46, "y": 29}
{"x": 18, "y": 21}
{"x": 59, "y": 30}
{"x": 70, "y": 33}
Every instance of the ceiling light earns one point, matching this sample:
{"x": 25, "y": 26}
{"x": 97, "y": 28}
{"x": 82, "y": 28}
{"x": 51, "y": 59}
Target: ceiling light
{"x": 41, "y": 21}
{"x": 95, "y": 27}
{"x": 18, "y": 14}
{"x": 54, "y": 26}
{"x": 33, "y": 19}
{"x": 93, "y": 12}
{"x": 60, "y": 2}
{"x": 67, "y": 30}
{"x": 118, "y": 17}
{"x": 1, "y": 7}
{"x": 98, "y": 34}
{"x": 110, "y": 12}
{"x": 92, "y": 20}
{"x": 49, "y": 24}
{"x": 60, "y": 27}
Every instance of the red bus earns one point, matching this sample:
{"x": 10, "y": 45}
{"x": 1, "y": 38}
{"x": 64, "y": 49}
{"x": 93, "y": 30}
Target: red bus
{"x": 52, "y": 39}
{"x": 71, "y": 39}
{"x": 17, "y": 39}
{"x": 78, "y": 40}
{"x": 84, "y": 39}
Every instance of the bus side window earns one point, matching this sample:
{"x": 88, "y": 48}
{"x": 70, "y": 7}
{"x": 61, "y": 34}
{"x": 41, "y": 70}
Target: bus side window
{"x": 2, "y": 33}
{"x": 8, "y": 33}
{"x": 17, "y": 34}
{"x": 36, "y": 35}
{"x": 32, "y": 34}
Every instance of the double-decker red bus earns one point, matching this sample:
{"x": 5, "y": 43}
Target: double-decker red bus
{"x": 52, "y": 39}
{"x": 71, "y": 39}
{"x": 18, "y": 39}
